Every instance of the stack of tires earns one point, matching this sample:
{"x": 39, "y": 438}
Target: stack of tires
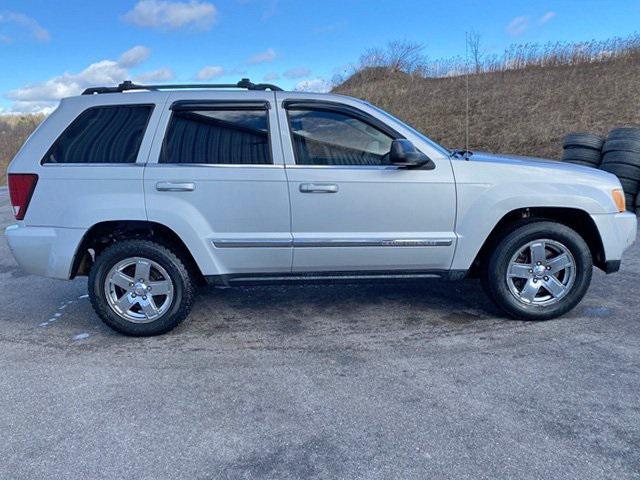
{"x": 582, "y": 149}
{"x": 621, "y": 156}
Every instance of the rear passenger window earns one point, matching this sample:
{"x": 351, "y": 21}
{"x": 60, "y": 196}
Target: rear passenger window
{"x": 210, "y": 135}
{"x": 109, "y": 134}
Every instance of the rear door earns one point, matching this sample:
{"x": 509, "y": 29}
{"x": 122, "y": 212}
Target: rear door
{"x": 350, "y": 209}
{"x": 216, "y": 177}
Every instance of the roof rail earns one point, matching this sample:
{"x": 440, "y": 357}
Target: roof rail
{"x": 129, "y": 85}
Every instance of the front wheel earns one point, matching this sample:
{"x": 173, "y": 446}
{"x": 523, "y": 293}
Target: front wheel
{"x": 140, "y": 288}
{"x": 539, "y": 271}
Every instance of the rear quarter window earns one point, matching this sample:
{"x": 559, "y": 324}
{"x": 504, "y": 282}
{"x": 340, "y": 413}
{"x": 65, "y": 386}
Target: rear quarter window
{"x": 106, "y": 134}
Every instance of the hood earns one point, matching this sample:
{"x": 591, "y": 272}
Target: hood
{"x": 514, "y": 159}
{"x": 542, "y": 163}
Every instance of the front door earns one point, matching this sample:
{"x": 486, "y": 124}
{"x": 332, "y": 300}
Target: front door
{"x": 350, "y": 209}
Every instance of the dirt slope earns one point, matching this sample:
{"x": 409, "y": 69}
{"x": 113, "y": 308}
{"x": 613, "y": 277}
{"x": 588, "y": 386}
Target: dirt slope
{"x": 524, "y": 111}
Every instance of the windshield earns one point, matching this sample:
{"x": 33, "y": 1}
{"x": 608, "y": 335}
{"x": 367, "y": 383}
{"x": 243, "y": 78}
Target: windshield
{"x": 442, "y": 149}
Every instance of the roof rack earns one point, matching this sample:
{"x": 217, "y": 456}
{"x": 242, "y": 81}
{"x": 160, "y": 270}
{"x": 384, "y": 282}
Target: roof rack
{"x": 129, "y": 85}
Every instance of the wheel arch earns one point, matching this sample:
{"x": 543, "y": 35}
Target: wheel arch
{"x": 574, "y": 218}
{"x": 103, "y": 234}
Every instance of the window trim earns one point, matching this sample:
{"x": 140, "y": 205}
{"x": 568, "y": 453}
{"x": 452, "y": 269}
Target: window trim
{"x": 98, "y": 164}
{"x": 327, "y": 106}
{"x": 347, "y": 110}
{"x": 211, "y": 106}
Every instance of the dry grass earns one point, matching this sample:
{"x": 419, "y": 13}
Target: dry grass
{"x": 523, "y": 103}
{"x": 14, "y": 130}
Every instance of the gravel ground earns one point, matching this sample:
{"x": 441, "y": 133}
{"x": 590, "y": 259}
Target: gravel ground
{"x": 405, "y": 381}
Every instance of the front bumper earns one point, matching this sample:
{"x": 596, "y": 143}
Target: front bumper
{"x": 618, "y": 232}
{"x": 44, "y": 251}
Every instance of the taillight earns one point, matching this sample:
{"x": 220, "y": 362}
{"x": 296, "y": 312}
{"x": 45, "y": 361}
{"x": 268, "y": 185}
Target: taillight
{"x": 21, "y": 187}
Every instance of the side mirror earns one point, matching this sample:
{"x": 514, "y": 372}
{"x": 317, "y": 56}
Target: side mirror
{"x": 404, "y": 154}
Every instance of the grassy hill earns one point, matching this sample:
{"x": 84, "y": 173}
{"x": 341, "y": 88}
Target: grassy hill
{"x": 14, "y": 130}
{"x": 522, "y": 111}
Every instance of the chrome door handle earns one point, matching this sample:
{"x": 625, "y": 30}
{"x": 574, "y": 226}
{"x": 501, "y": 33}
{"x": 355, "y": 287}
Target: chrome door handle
{"x": 175, "y": 186}
{"x": 318, "y": 188}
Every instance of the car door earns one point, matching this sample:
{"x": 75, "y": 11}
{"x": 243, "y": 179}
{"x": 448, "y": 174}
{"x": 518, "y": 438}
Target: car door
{"x": 350, "y": 209}
{"x": 215, "y": 176}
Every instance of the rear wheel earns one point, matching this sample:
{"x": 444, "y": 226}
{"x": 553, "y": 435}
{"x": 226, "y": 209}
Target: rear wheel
{"x": 140, "y": 288}
{"x": 539, "y": 271}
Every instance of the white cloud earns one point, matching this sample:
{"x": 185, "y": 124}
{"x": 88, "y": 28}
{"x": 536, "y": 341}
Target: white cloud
{"x": 134, "y": 56}
{"x": 297, "y": 72}
{"x": 318, "y": 85}
{"x": 167, "y": 15}
{"x": 20, "y": 107}
{"x": 160, "y": 75}
{"x": 267, "y": 56}
{"x": 27, "y": 23}
{"x": 518, "y": 26}
{"x": 44, "y": 96}
{"x": 271, "y": 76}
{"x": 212, "y": 71}
{"x": 546, "y": 17}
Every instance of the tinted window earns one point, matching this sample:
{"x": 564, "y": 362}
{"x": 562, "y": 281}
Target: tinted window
{"x": 111, "y": 134}
{"x": 218, "y": 137}
{"x": 332, "y": 138}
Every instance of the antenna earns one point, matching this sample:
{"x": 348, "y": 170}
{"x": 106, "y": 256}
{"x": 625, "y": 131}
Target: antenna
{"x": 466, "y": 130}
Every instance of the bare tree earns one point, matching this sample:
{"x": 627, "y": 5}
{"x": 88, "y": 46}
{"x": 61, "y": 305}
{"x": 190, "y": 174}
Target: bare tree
{"x": 476, "y": 52}
{"x": 373, "y": 57}
{"x": 404, "y": 56}
{"x": 397, "y": 56}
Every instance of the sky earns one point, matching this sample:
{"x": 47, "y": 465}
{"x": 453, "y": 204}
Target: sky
{"x": 54, "y": 49}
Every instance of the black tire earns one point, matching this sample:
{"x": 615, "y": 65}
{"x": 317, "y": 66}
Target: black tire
{"x": 183, "y": 287}
{"x": 630, "y": 200}
{"x": 630, "y": 186}
{"x": 622, "y": 170}
{"x": 581, "y": 162}
{"x": 495, "y": 271}
{"x": 624, "y": 133}
{"x": 637, "y": 204}
{"x": 629, "y": 158}
{"x": 583, "y": 154}
{"x": 580, "y": 139}
{"x": 621, "y": 146}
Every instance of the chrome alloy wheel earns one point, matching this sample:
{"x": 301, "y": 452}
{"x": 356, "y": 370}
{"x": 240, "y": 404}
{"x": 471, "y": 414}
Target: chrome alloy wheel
{"x": 138, "y": 290}
{"x": 541, "y": 273}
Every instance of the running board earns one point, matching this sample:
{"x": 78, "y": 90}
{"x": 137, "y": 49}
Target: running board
{"x": 331, "y": 277}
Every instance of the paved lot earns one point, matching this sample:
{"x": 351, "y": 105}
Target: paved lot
{"x": 418, "y": 381}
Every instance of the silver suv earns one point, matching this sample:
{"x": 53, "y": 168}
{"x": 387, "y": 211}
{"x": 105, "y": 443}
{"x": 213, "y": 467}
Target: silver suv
{"x": 152, "y": 190}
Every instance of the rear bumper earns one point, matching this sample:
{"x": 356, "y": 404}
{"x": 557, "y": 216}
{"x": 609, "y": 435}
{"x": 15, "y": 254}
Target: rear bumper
{"x": 44, "y": 251}
{"x": 618, "y": 232}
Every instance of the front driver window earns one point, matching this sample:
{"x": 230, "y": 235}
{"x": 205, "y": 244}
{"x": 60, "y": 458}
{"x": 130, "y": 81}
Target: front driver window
{"x": 322, "y": 137}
